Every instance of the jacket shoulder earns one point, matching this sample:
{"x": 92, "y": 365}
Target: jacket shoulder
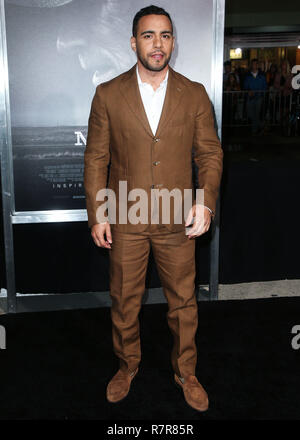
{"x": 114, "y": 82}
{"x": 195, "y": 85}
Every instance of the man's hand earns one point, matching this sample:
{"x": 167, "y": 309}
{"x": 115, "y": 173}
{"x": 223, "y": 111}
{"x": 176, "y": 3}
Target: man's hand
{"x": 98, "y": 232}
{"x": 201, "y": 222}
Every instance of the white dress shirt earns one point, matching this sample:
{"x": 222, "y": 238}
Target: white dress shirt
{"x": 153, "y": 101}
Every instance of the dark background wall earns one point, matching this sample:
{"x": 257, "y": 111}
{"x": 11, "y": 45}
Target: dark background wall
{"x": 261, "y": 13}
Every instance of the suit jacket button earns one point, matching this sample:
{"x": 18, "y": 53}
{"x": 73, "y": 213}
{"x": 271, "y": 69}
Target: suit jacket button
{"x": 156, "y": 139}
{"x": 156, "y": 163}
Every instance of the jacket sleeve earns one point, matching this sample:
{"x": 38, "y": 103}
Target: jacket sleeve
{"x": 97, "y": 154}
{"x": 208, "y": 153}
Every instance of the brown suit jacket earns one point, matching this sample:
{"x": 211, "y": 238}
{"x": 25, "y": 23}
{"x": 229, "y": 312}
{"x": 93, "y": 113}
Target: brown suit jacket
{"x": 119, "y": 135}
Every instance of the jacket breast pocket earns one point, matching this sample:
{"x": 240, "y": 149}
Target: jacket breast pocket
{"x": 181, "y": 120}
{"x": 177, "y": 122}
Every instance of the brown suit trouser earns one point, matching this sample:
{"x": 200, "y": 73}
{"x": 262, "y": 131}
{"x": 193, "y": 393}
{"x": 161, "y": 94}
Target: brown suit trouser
{"x": 174, "y": 255}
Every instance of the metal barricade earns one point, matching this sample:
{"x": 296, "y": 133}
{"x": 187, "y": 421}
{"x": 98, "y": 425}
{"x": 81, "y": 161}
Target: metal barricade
{"x": 272, "y": 108}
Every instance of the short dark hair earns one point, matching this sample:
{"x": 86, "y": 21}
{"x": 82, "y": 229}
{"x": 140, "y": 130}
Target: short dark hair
{"x": 148, "y": 10}
{"x": 254, "y": 60}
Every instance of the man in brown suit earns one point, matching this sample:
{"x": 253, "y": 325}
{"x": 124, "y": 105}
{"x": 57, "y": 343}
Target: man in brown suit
{"x": 146, "y": 124}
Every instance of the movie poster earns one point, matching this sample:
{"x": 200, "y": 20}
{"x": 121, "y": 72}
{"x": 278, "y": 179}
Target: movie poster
{"x": 58, "y": 52}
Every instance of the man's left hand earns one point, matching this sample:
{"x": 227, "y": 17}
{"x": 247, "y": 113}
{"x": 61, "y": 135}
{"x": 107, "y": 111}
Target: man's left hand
{"x": 202, "y": 220}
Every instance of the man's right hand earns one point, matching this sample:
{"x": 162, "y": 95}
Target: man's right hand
{"x": 98, "y": 233}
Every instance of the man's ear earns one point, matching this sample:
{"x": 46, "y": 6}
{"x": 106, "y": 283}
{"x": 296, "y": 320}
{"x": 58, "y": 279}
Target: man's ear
{"x": 173, "y": 45}
{"x": 133, "y": 43}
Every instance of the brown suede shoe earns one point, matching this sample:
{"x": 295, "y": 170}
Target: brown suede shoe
{"x": 194, "y": 393}
{"x": 119, "y": 386}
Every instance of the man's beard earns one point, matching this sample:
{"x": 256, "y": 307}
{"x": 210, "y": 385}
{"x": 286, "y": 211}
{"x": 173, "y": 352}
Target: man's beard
{"x": 148, "y": 66}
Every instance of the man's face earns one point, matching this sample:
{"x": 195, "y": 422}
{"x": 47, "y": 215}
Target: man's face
{"x": 254, "y": 66}
{"x": 154, "y": 42}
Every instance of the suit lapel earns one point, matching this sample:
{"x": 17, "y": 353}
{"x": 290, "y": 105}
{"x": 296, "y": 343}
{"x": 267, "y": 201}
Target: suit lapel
{"x": 130, "y": 90}
{"x": 173, "y": 96}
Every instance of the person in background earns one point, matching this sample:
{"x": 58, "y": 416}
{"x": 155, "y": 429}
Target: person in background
{"x": 230, "y": 101}
{"x": 262, "y": 67}
{"x": 283, "y": 85}
{"x": 232, "y": 85}
{"x": 241, "y": 72}
{"x": 270, "y": 78}
{"x": 283, "y": 79}
{"x": 227, "y": 71}
{"x": 270, "y": 75}
{"x": 255, "y": 82}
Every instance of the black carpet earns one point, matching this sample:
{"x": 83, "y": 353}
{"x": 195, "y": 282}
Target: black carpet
{"x": 57, "y": 364}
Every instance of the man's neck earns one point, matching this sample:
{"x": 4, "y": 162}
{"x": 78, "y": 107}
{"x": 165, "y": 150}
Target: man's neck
{"x": 150, "y": 76}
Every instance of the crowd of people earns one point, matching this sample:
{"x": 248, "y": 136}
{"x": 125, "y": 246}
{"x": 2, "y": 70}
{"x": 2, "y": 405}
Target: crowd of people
{"x": 257, "y": 80}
